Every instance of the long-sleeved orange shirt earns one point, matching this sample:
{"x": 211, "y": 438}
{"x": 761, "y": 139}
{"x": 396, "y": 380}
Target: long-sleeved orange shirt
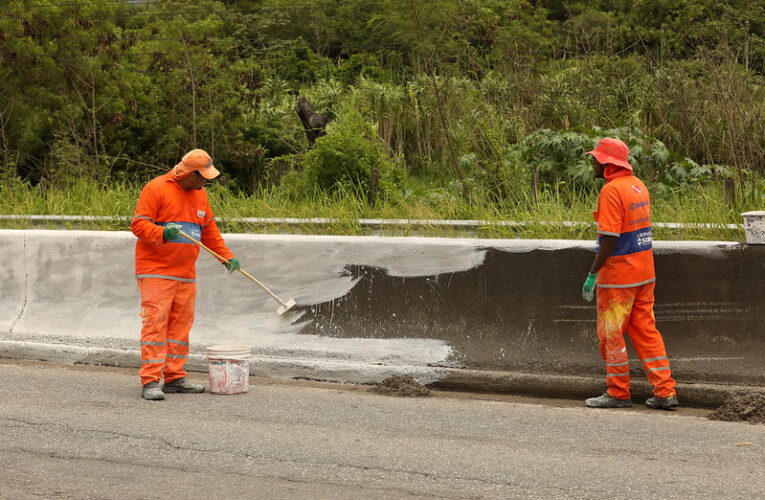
{"x": 163, "y": 200}
{"x": 624, "y": 211}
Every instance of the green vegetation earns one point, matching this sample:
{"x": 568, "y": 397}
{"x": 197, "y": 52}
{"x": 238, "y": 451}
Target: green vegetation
{"x": 545, "y": 217}
{"x": 438, "y": 109}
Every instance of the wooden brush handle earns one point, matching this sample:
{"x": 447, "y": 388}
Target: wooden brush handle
{"x": 225, "y": 260}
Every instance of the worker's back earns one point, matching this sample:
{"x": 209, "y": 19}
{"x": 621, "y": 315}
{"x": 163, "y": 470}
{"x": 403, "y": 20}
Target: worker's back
{"x": 624, "y": 210}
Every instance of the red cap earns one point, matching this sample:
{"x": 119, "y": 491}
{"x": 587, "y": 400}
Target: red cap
{"x": 612, "y": 151}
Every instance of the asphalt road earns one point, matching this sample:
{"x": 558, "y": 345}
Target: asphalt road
{"x": 84, "y": 432}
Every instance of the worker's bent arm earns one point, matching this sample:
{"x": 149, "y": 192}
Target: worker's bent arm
{"x": 144, "y": 224}
{"x": 607, "y": 245}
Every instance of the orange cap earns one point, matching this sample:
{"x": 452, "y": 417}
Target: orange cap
{"x": 196, "y": 160}
{"x": 612, "y": 151}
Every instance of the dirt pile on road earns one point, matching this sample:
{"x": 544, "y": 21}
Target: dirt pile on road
{"x": 401, "y": 385}
{"x": 745, "y": 408}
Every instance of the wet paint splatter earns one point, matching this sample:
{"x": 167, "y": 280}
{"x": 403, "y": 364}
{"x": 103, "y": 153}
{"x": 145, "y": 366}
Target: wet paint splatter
{"x": 614, "y": 317}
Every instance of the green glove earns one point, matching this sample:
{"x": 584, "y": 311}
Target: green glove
{"x": 588, "y": 289}
{"x": 172, "y": 231}
{"x": 232, "y": 265}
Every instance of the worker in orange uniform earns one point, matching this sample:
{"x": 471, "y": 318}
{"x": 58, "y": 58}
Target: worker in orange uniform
{"x": 623, "y": 273}
{"x": 165, "y": 267}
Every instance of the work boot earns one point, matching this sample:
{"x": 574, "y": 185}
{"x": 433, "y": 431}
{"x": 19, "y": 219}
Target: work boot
{"x": 667, "y": 403}
{"x": 608, "y": 401}
{"x": 152, "y": 392}
{"x": 183, "y": 385}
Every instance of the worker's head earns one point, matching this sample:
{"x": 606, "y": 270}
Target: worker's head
{"x": 609, "y": 152}
{"x": 195, "y": 168}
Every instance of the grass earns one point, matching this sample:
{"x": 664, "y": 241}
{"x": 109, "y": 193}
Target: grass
{"x": 543, "y": 218}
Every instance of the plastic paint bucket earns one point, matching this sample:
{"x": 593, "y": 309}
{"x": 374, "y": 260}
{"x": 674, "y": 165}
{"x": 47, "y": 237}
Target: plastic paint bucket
{"x": 229, "y": 368}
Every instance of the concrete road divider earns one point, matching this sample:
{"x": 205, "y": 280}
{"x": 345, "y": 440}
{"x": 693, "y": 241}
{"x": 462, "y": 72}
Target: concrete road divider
{"x": 13, "y": 280}
{"x": 498, "y": 315}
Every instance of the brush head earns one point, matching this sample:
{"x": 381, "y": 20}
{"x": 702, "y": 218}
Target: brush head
{"x": 286, "y": 307}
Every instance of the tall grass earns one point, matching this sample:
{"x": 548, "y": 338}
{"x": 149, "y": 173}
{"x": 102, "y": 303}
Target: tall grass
{"x": 543, "y": 218}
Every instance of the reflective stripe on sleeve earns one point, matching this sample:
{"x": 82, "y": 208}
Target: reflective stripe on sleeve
{"x": 143, "y": 217}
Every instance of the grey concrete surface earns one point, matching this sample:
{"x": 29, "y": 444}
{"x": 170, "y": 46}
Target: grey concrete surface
{"x": 468, "y": 313}
{"x": 83, "y": 432}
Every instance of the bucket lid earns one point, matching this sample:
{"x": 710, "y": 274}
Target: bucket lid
{"x": 228, "y": 351}
{"x": 225, "y": 347}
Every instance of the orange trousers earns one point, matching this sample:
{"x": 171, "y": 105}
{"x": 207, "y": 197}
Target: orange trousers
{"x": 630, "y": 311}
{"x": 167, "y": 309}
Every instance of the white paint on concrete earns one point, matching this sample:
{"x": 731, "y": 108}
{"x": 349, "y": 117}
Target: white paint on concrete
{"x": 83, "y": 287}
{"x": 349, "y": 371}
{"x": 714, "y": 249}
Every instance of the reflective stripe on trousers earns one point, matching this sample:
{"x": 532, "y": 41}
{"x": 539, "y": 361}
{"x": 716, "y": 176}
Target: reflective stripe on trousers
{"x": 167, "y": 309}
{"x": 630, "y": 311}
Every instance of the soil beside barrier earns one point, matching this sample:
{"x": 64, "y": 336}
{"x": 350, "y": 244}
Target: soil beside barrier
{"x": 490, "y": 315}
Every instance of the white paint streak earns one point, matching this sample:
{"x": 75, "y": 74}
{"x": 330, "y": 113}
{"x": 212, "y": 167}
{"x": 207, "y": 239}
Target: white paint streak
{"x": 354, "y": 372}
{"x": 71, "y": 299}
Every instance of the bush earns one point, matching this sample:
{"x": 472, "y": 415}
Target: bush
{"x": 560, "y": 157}
{"x": 360, "y": 65}
{"x": 298, "y": 64}
{"x": 343, "y": 160}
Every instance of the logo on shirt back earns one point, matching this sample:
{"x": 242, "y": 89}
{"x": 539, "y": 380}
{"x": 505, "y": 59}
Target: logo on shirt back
{"x": 201, "y": 213}
{"x": 635, "y": 206}
{"x": 636, "y": 189}
{"x": 644, "y": 239}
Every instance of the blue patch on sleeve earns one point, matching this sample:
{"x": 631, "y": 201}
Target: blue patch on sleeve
{"x": 192, "y": 229}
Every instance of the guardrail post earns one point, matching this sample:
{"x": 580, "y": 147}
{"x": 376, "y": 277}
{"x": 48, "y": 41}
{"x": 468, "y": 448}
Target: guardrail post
{"x": 754, "y": 227}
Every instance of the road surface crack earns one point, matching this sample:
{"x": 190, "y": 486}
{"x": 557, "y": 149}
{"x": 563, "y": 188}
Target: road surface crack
{"x": 194, "y": 470}
{"x": 154, "y": 440}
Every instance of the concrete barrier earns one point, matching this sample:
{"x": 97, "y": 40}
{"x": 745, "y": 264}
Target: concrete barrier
{"x": 500, "y": 315}
{"x": 13, "y": 280}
